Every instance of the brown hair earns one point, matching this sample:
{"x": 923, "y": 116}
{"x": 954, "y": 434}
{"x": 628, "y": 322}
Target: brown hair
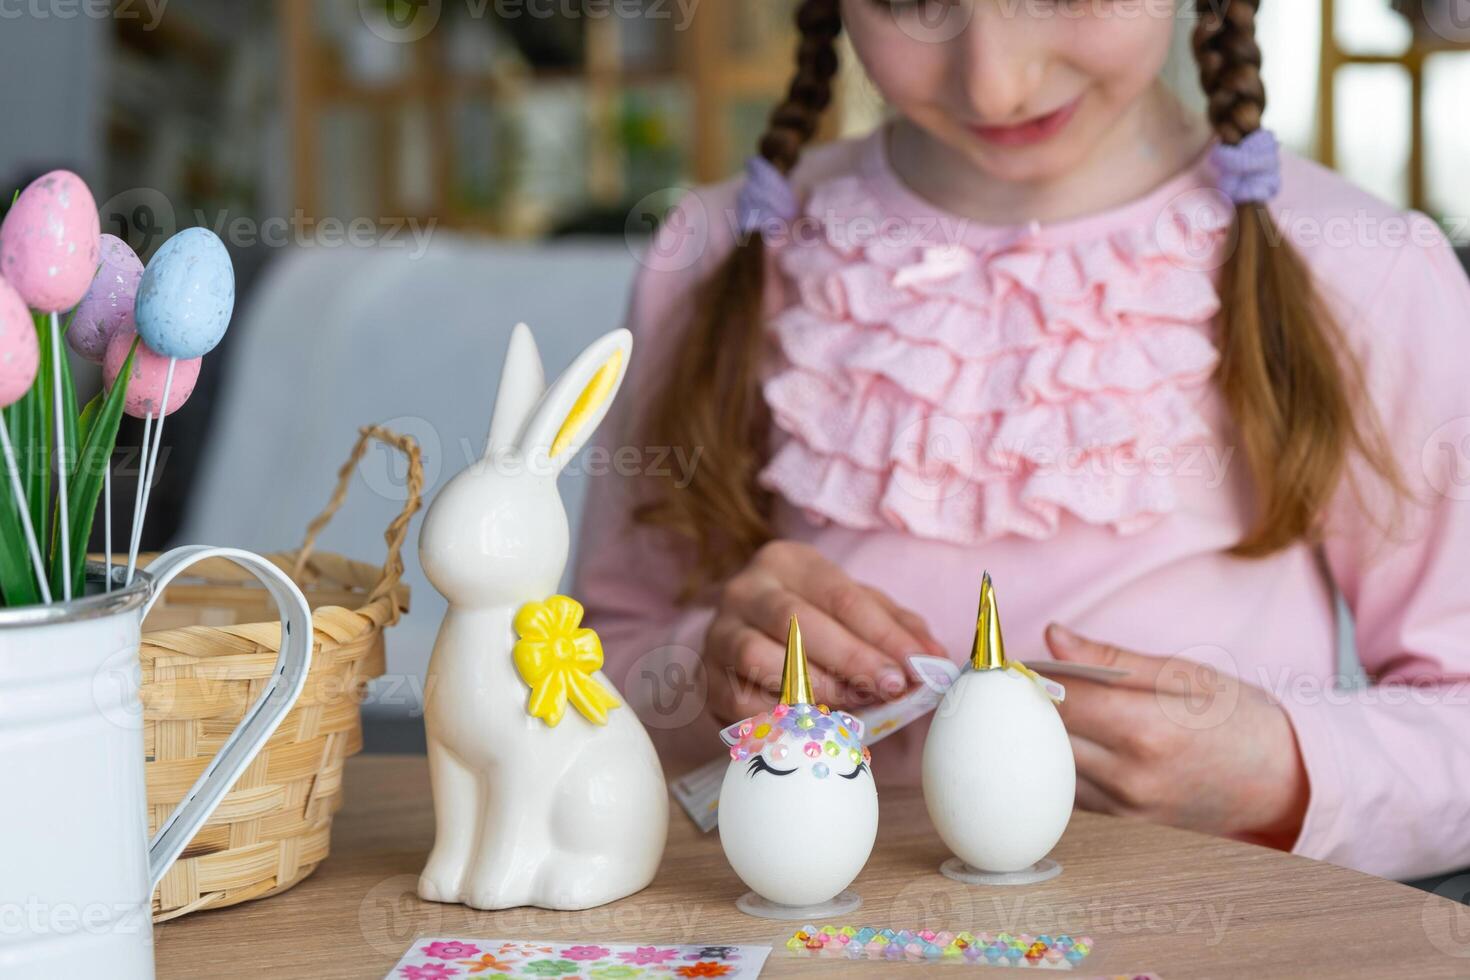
{"x": 1286, "y": 374}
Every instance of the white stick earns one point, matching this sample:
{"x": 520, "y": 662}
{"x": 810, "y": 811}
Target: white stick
{"x": 138, "y": 498}
{"x": 57, "y": 353}
{"x": 168, "y": 382}
{"x": 107, "y": 522}
{"x": 25, "y": 512}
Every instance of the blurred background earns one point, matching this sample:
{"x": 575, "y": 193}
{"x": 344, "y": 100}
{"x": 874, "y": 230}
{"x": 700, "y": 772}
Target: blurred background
{"x": 400, "y": 181}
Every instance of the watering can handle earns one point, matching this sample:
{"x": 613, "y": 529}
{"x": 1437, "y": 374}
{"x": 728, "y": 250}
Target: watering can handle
{"x": 286, "y": 682}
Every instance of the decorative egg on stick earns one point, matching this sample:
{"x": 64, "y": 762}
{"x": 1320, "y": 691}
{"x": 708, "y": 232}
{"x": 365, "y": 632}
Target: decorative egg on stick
{"x": 108, "y": 306}
{"x": 157, "y": 386}
{"x": 799, "y": 761}
{"x": 20, "y": 355}
{"x": 106, "y": 311}
{"x": 999, "y": 777}
{"x": 185, "y": 300}
{"x": 48, "y": 251}
{"x": 50, "y": 241}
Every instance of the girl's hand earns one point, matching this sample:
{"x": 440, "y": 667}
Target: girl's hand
{"x": 857, "y": 639}
{"x": 1180, "y": 743}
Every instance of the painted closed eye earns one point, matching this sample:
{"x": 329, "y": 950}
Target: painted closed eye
{"x": 861, "y": 767}
{"x": 759, "y": 764}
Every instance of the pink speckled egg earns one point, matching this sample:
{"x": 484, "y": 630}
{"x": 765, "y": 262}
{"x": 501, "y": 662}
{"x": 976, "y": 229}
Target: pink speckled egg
{"x": 49, "y": 242}
{"x": 150, "y": 370}
{"x": 19, "y": 351}
{"x": 108, "y": 305}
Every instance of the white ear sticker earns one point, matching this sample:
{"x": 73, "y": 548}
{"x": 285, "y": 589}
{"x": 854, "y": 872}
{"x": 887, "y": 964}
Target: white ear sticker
{"x": 731, "y": 734}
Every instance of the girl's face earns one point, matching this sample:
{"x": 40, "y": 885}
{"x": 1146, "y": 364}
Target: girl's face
{"x": 1024, "y": 89}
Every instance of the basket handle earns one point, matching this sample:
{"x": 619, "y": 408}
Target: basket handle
{"x": 397, "y": 531}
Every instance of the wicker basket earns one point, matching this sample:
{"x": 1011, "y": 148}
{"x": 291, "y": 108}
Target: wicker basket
{"x": 208, "y": 649}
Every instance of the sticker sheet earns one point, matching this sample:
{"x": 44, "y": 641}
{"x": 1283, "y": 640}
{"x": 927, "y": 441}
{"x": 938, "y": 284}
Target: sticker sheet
{"x": 510, "y": 959}
{"x": 1061, "y": 952}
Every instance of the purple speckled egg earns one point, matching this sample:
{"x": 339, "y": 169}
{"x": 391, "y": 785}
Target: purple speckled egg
{"x": 108, "y": 305}
{"x": 150, "y": 371}
{"x": 49, "y": 242}
{"x": 19, "y": 350}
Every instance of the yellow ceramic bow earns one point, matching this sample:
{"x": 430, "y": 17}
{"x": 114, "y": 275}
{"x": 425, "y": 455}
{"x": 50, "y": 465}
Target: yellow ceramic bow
{"x": 557, "y": 658}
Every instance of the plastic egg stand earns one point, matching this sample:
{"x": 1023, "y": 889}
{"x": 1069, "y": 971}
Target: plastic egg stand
{"x": 801, "y": 761}
{"x": 999, "y": 776}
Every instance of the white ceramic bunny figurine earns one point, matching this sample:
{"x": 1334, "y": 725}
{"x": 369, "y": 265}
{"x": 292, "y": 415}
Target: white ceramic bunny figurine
{"x": 534, "y": 804}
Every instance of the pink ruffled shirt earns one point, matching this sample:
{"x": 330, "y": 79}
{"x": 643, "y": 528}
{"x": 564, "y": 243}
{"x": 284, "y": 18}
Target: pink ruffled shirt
{"x": 949, "y": 397}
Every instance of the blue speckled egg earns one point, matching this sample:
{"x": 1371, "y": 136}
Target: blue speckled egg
{"x": 187, "y": 295}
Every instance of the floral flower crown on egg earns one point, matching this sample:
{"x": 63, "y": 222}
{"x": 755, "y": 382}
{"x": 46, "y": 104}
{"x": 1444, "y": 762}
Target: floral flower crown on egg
{"x": 815, "y": 727}
{"x": 797, "y": 719}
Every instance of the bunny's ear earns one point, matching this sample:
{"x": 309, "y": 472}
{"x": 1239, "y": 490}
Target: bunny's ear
{"x": 522, "y": 383}
{"x": 578, "y": 401}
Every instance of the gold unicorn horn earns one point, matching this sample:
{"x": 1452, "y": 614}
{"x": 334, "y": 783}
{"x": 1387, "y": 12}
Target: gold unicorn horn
{"x": 989, "y": 650}
{"x": 796, "y": 683}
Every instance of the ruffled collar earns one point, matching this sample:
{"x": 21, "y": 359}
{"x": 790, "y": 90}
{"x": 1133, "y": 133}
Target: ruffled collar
{"x": 959, "y": 381}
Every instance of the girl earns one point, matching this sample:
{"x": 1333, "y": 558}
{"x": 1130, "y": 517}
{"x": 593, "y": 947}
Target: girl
{"x": 1167, "y": 384}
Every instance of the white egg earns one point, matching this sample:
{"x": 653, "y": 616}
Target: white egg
{"x": 798, "y": 808}
{"x": 999, "y": 778}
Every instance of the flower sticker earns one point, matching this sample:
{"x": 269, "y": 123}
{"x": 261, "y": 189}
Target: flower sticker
{"x": 527, "y": 948}
{"x": 586, "y": 952}
{"x": 705, "y": 969}
{"x": 429, "y": 971}
{"x": 649, "y": 955}
{"x": 489, "y": 962}
{"x": 556, "y": 656}
{"x": 550, "y": 968}
{"x": 715, "y": 953}
{"x": 615, "y": 971}
{"x": 450, "y": 950}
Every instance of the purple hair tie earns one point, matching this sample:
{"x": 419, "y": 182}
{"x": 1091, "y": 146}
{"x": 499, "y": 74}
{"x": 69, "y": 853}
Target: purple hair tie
{"x": 765, "y": 196}
{"x": 1250, "y": 171}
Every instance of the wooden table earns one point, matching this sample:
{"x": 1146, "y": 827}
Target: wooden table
{"x": 1152, "y": 898}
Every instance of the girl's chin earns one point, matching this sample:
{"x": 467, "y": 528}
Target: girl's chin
{"x": 1047, "y": 160}
{"x": 1020, "y": 165}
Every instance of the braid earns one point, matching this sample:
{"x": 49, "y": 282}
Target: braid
{"x": 711, "y": 401}
{"x": 1230, "y": 66}
{"x": 794, "y": 121}
{"x": 1289, "y": 379}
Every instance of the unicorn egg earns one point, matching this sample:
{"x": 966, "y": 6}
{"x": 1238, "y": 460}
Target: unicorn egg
{"x": 187, "y": 295}
{"x": 108, "y": 306}
{"x": 20, "y": 353}
{"x": 798, "y": 807}
{"x": 49, "y": 242}
{"x": 999, "y": 777}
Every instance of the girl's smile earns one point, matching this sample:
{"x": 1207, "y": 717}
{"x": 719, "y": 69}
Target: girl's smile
{"x": 1037, "y": 129}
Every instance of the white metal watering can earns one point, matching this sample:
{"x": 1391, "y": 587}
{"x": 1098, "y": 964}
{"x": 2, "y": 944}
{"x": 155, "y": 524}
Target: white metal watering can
{"x": 77, "y": 870}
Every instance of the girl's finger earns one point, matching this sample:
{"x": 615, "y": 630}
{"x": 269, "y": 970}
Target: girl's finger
{"x": 1092, "y": 797}
{"x": 1113, "y": 717}
{"x": 1098, "y": 765}
{"x": 910, "y": 621}
{"x": 1145, "y": 673}
{"x": 731, "y": 699}
{"x": 828, "y": 644}
{"x": 752, "y": 664}
{"x": 828, "y": 588}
